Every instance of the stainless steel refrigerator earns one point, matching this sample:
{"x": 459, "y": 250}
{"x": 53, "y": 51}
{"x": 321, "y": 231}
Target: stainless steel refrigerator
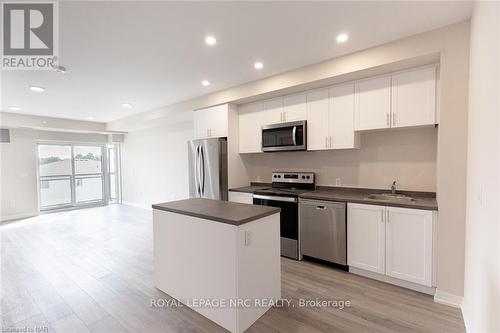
{"x": 208, "y": 168}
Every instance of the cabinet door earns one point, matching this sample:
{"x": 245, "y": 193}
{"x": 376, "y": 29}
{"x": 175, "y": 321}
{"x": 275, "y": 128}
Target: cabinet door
{"x": 366, "y": 237}
{"x": 218, "y": 121}
{"x": 414, "y": 97}
{"x": 409, "y": 245}
{"x": 241, "y": 197}
{"x": 211, "y": 122}
{"x": 317, "y": 119}
{"x": 201, "y": 123}
{"x": 372, "y": 103}
{"x": 342, "y": 117}
{"x": 273, "y": 111}
{"x": 250, "y": 131}
{"x": 295, "y": 107}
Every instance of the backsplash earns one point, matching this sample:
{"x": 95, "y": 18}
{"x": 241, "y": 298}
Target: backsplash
{"x": 405, "y": 155}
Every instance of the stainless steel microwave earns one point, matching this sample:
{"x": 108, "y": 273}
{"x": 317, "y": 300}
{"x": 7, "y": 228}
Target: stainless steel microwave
{"x": 285, "y": 136}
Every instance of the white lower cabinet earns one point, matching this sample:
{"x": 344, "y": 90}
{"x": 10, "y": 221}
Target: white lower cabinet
{"x": 241, "y": 197}
{"x": 396, "y": 242}
{"x": 408, "y": 245}
{"x": 366, "y": 237}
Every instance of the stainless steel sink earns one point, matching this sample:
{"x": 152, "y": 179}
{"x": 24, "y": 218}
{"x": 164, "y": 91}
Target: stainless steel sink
{"x": 390, "y": 197}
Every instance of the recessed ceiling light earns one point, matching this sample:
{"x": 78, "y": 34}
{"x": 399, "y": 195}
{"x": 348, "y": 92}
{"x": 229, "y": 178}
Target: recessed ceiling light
{"x": 210, "y": 40}
{"x": 14, "y": 108}
{"x": 205, "y": 83}
{"x": 44, "y": 121}
{"x": 37, "y": 89}
{"x": 258, "y": 65}
{"x": 90, "y": 118}
{"x": 342, "y": 38}
{"x": 126, "y": 105}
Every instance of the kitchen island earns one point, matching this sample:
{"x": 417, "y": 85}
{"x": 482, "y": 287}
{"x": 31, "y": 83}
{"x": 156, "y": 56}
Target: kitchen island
{"x": 222, "y": 259}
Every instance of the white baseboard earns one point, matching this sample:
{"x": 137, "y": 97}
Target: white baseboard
{"x": 17, "y": 216}
{"x": 445, "y": 298}
{"x": 136, "y": 205}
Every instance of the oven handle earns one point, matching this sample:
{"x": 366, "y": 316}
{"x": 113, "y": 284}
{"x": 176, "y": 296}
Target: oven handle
{"x": 294, "y": 135}
{"x": 274, "y": 198}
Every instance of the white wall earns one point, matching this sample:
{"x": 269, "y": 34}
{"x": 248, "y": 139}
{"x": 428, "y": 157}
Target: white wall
{"x": 155, "y": 165}
{"x": 18, "y": 169}
{"x": 481, "y": 307}
{"x": 407, "y": 156}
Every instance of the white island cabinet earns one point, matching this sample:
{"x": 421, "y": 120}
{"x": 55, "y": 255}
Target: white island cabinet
{"x": 222, "y": 259}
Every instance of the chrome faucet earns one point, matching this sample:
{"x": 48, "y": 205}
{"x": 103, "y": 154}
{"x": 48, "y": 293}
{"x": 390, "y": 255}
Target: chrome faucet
{"x": 393, "y": 188}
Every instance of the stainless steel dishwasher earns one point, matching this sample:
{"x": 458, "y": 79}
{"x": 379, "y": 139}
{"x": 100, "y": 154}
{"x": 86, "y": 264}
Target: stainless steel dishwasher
{"x": 323, "y": 230}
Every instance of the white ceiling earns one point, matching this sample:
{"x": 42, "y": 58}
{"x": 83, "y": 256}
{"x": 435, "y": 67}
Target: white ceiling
{"x": 153, "y": 54}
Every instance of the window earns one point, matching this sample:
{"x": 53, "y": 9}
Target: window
{"x": 73, "y": 175}
{"x": 55, "y": 175}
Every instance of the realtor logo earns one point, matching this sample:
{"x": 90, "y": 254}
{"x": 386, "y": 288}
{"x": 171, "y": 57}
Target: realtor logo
{"x": 29, "y": 35}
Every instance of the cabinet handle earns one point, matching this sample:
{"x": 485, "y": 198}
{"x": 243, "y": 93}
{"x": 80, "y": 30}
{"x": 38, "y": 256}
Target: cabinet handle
{"x": 326, "y": 142}
{"x": 394, "y": 119}
{"x": 387, "y": 120}
{"x": 387, "y": 219}
{"x": 284, "y": 116}
{"x": 320, "y": 207}
{"x": 382, "y": 217}
{"x": 330, "y": 142}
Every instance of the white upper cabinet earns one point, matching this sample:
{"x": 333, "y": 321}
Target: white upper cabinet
{"x": 250, "y": 131}
{"x": 317, "y": 119}
{"x": 294, "y": 107}
{"x": 366, "y": 237}
{"x": 373, "y": 103}
{"x": 211, "y": 122}
{"x": 273, "y": 111}
{"x": 341, "y": 120}
{"x": 409, "y": 245}
{"x": 414, "y": 97}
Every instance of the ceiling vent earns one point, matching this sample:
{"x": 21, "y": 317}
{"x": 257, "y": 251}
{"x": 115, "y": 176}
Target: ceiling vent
{"x": 4, "y": 135}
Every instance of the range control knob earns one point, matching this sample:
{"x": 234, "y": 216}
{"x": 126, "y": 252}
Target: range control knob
{"x": 308, "y": 177}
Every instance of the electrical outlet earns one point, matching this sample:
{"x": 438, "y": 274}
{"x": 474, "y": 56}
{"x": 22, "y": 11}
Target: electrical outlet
{"x": 248, "y": 237}
{"x": 338, "y": 182}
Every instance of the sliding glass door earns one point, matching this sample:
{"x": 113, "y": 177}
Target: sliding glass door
{"x": 56, "y": 176}
{"x": 70, "y": 175}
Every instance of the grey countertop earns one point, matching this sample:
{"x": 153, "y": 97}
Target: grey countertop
{"x": 423, "y": 200}
{"x": 217, "y": 210}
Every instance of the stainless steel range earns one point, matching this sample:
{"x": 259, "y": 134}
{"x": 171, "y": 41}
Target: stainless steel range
{"x": 284, "y": 193}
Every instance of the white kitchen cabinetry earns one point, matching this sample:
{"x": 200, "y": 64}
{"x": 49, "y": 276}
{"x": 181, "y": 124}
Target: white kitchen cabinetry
{"x": 414, "y": 98}
{"x": 330, "y": 118}
{"x": 403, "y": 99}
{"x": 295, "y": 107}
{"x": 373, "y": 103}
{"x": 211, "y": 122}
{"x": 341, "y": 120}
{"x": 241, "y": 197}
{"x": 409, "y": 245}
{"x": 250, "y": 131}
{"x": 366, "y": 237}
{"x": 318, "y": 131}
{"x": 396, "y": 242}
{"x": 273, "y": 111}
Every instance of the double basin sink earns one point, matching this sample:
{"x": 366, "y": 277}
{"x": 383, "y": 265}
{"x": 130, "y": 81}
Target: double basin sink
{"x": 390, "y": 197}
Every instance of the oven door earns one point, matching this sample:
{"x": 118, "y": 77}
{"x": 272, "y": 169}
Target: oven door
{"x": 284, "y": 137}
{"x": 289, "y": 221}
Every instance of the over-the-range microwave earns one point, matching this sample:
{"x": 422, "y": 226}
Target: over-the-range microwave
{"x": 285, "y": 136}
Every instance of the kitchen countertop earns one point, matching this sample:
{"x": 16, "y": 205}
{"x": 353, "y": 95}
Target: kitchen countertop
{"x": 423, "y": 200}
{"x": 217, "y": 210}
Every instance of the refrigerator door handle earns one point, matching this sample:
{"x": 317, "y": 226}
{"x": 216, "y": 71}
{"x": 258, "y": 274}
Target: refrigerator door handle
{"x": 197, "y": 171}
{"x": 202, "y": 171}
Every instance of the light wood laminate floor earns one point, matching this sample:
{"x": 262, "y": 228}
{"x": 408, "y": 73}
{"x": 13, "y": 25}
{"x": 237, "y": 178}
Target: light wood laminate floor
{"x": 92, "y": 270}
